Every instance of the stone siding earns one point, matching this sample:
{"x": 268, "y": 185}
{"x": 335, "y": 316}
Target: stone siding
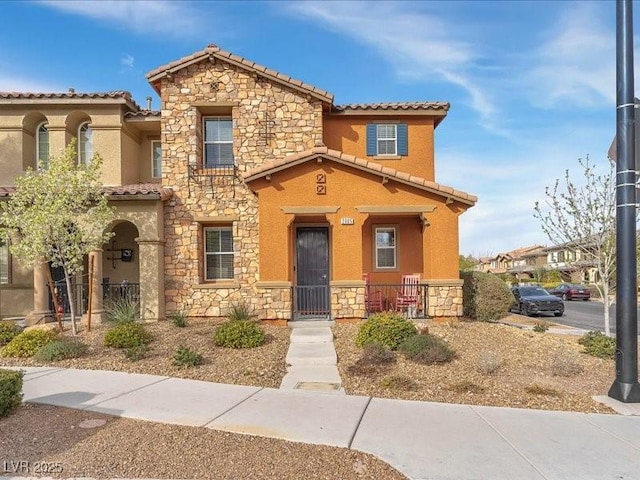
{"x": 445, "y": 301}
{"x": 347, "y": 302}
{"x": 269, "y": 122}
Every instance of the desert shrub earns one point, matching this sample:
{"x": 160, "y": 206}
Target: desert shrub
{"x": 239, "y": 334}
{"x": 466, "y": 386}
{"x": 240, "y": 311}
{"x": 8, "y": 330}
{"x": 374, "y": 356}
{"x": 185, "y": 357}
{"x": 27, "y": 343}
{"x": 427, "y": 349}
{"x": 136, "y": 353}
{"x": 537, "y": 389}
{"x": 598, "y": 344}
{"x": 127, "y": 335}
{"x": 485, "y": 297}
{"x": 565, "y": 364}
{"x": 488, "y": 362}
{"x": 385, "y": 328}
{"x": 61, "y": 349}
{"x": 399, "y": 382}
{"x": 10, "y": 391}
{"x": 179, "y": 319}
{"x": 123, "y": 310}
{"x": 541, "y": 327}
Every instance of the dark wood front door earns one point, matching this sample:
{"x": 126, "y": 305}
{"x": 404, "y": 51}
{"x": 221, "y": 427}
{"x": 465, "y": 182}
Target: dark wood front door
{"x": 312, "y": 272}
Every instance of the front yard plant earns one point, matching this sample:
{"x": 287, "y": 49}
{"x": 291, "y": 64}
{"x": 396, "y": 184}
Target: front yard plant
{"x": 127, "y": 335}
{"x": 427, "y": 349}
{"x": 239, "y": 334}
{"x": 387, "y": 328}
{"x": 27, "y": 343}
{"x": 179, "y": 319}
{"x": 61, "y": 349}
{"x": 598, "y": 344}
{"x": 8, "y": 330}
{"x": 185, "y": 357}
{"x": 10, "y": 391}
{"x": 123, "y": 310}
{"x": 485, "y": 297}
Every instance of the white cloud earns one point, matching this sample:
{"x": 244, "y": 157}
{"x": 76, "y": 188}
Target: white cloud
{"x": 421, "y": 46}
{"x": 174, "y": 19}
{"x": 128, "y": 61}
{"x": 14, "y": 83}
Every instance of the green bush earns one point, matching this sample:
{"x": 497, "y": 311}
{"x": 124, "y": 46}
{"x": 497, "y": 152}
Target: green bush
{"x": 239, "y": 334}
{"x": 123, "y": 310}
{"x": 240, "y": 311}
{"x": 541, "y": 327}
{"x": 10, "y": 391}
{"x": 8, "y": 331}
{"x": 385, "y": 328}
{"x": 598, "y": 344}
{"x": 485, "y": 297}
{"x": 427, "y": 349}
{"x": 179, "y": 319}
{"x": 185, "y": 357}
{"x": 27, "y": 343}
{"x": 60, "y": 350}
{"x": 126, "y": 335}
{"x": 136, "y": 353}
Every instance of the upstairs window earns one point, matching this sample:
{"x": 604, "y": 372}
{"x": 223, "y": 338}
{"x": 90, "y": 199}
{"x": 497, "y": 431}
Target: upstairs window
{"x": 218, "y": 142}
{"x": 218, "y": 248}
{"x": 42, "y": 147}
{"x": 85, "y": 144}
{"x": 385, "y": 239}
{"x": 156, "y": 159}
{"x": 387, "y": 139}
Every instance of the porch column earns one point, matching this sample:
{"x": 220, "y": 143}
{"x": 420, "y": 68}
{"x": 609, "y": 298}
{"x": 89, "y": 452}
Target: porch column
{"x": 152, "y": 303}
{"x": 98, "y": 312}
{"x": 41, "y": 312}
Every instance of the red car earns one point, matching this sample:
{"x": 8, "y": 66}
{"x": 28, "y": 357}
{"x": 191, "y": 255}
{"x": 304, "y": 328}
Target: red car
{"x": 568, "y": 291}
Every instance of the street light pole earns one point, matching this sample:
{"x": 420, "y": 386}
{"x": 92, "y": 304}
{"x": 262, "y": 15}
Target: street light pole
{"x": 625, "y": 387}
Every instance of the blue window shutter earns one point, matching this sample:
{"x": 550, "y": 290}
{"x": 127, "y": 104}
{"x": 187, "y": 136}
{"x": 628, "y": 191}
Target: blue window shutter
{"x": 372, "y": 140}
{"x": 403, "y": 142}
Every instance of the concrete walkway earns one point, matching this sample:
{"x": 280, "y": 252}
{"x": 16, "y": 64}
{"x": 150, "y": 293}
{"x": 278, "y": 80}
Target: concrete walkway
{"x": 311, "y": 359}
{"x": 423, "y": 440}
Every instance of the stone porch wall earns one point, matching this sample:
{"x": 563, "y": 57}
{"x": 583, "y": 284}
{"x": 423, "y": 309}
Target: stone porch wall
{"x": 347, "y": 302}
{"x": 445, "y": 300}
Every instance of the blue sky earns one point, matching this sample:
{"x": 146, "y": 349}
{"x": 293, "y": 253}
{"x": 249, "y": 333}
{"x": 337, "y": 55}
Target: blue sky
{"x": 531, "y": 84}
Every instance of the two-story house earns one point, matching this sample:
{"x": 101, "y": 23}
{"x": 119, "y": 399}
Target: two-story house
{"x": 249, "y": 185}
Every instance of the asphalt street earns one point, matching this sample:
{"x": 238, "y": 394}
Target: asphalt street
{"x": 586, "y": 315}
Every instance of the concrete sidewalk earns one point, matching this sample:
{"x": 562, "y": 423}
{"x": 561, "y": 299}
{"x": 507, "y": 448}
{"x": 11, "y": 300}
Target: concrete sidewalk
{"x": 423, "y": 440}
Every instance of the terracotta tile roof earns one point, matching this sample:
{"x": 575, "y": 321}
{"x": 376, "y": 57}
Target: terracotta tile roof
{"x": 213, "y": 51}
{"x": 143, "y": 114}
{"x": 151, "y": 190}
{"x": 71, "y": 95}
{"x": 361, "y": 164}
{"x": 395, "y": 106}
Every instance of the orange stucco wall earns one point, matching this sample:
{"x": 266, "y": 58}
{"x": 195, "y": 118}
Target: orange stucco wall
{"x": 348, "y": 134}
{"x": 433, "y": 253}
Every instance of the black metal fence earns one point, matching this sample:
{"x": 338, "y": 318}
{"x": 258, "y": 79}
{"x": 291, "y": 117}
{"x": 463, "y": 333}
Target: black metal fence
{"x": 110, "y": 292}
{"x": 311, "y": 301}
{"x": 410, "y": 300}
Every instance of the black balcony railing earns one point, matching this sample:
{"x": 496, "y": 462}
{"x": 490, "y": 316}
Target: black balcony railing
{"x": 410, "y": 300}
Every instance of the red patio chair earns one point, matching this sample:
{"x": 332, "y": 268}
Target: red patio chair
{"x": 408, "y": 297}
{"x": 372, "y": 298}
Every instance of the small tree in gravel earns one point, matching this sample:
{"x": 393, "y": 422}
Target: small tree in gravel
{"x": 58, "y": 215}
{"x": 584, "y": 219}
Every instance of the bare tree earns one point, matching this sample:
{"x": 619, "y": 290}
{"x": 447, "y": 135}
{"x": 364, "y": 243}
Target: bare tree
{"x": 583, "y": 216}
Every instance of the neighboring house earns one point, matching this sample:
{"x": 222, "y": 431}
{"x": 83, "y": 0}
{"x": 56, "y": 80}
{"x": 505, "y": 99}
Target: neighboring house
{"x": 526, "y": 261}
{"x": 571, "y": 263}
{"x": 248, "y": 185}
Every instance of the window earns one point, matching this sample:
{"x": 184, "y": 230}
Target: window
{"x": 218, "y": 248}
{"x": 4, "y": 263}
{"x": 218, "y": 142}
{"x": 385, "y": 247}
{"x": 387, "y": 139}
{"x": 42, "y": 147}
{"x": 156, "y": 159}
{"x": 85, "y": 144}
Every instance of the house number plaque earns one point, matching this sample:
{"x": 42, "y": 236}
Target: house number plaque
{"x": 347, "y": 221}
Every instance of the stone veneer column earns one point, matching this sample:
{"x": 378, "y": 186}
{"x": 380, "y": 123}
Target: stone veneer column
{"x": 152, "y": 301}
{"x": 97, "y": 297}
{"x": 41, "y": 312}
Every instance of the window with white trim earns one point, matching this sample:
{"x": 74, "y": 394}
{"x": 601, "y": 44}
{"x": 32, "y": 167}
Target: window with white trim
{"x": 218, "y": 142}
{"x": 218, "y": 250}
{"x": 385, "y": 251}
{"x": 42, "y": 147}
{"x": 156, "y": 159}
{"x": 85, "y": 144}
{"x": 387, "y": 138}
{"x": 4, "y": 263}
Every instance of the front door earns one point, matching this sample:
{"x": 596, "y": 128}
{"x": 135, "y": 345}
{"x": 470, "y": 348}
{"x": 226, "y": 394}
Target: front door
{"x": 312, "y": 273}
